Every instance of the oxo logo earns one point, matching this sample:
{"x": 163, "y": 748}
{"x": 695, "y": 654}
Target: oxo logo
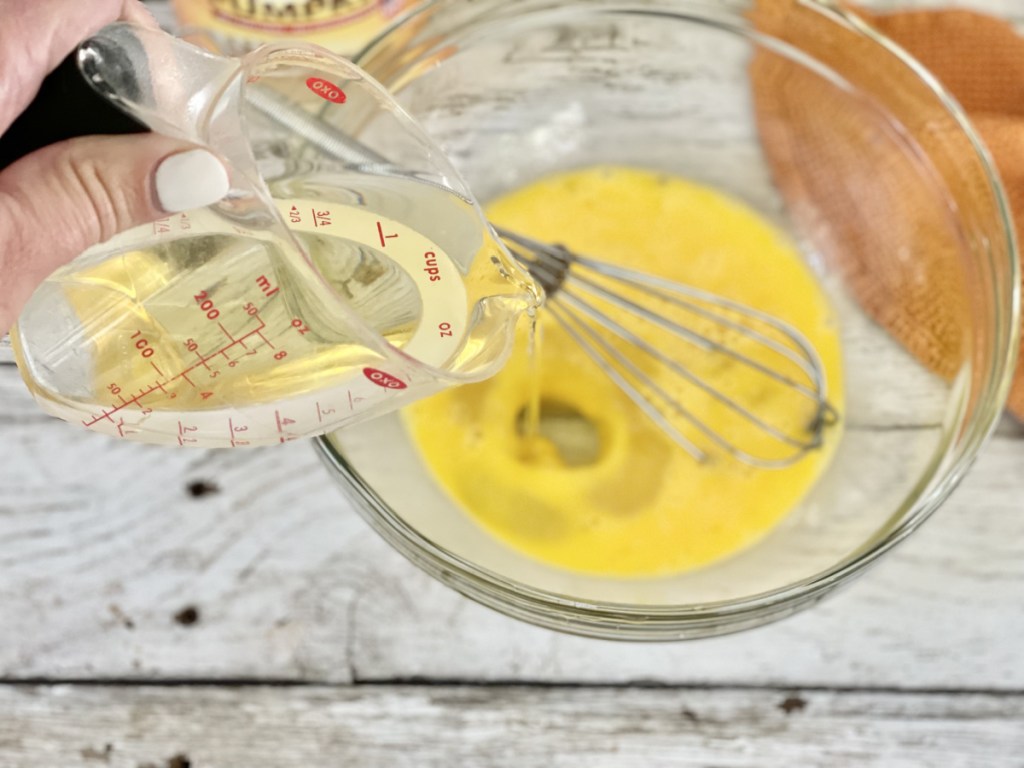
{"x": 382, "y": 379}
{"x": 326, "y": 90}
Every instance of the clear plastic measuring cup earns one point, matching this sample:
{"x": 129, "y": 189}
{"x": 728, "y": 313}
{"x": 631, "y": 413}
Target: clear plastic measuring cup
{"x": 348, "y": 272}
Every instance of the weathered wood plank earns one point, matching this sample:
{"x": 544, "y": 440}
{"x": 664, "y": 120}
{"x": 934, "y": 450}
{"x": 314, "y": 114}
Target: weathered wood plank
{"x": 112, "y": 539}
{"x": 102, "y": 545}
{"x": 419, "y": 727}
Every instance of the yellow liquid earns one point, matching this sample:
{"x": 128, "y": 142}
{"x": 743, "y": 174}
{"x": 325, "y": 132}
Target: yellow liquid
{"x": 601, "y": 489}
{"x": 195, "y": 320}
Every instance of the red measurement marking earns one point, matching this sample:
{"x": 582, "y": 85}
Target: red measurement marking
{"x": 122, "y": 431}
{"x": 157, "y": 369}
{"x": 321, "y": 218}
{"x": 161, "y": 226}
{"x": 183, "y": 431}
{"x": 225, "y": 331}
{"x": 233, "y": 430}
{"x": 143, "y": 345}
{"x": 187, "y": 379}
{"x": 266, "y": 340}
{"x": 294, "y": 215}
{"x": 266, "y": 286}
{"x": 160, "y": 385}
{"x": 282, "y": 421}
{"x": 321, "y": 412}
{"x": 107, "y": 414}
{"x": 431, "y": 268}
{"x": 382, "y": 379}
{"x": 383, "y": 238}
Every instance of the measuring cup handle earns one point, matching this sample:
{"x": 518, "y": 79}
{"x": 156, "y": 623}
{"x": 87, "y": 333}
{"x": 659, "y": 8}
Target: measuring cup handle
{"x": 66, "y": 107}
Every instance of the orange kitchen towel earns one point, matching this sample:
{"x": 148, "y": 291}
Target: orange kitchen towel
{"x": 864, "y": 198}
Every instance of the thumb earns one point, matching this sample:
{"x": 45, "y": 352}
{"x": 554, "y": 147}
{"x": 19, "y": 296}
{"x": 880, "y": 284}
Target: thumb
{"x": 59, "y": 201}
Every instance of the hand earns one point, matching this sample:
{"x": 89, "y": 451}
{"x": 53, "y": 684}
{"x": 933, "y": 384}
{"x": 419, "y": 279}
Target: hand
{"x": 62, "y": 199}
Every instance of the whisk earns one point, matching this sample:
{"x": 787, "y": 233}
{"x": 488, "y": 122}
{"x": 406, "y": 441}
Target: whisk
{"x": 575, "y": 284}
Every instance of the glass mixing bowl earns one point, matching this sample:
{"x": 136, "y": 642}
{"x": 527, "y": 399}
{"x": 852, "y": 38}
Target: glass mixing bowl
{"x": 828, "y": 130}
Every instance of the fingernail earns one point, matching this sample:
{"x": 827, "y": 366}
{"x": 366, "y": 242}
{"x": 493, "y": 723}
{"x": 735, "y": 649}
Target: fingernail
{"x": 188, "y": 180}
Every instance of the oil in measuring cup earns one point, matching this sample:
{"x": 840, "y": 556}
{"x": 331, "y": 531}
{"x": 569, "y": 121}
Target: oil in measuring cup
{"x": 347, "y": 272}
{"x": 204, "y": 333}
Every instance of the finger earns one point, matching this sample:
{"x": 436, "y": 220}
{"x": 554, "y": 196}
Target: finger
{"x": 36, "y": 36}
{"x": 57, "y": 202}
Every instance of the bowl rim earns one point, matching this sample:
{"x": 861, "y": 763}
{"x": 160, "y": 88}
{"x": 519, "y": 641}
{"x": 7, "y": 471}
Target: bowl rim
{"x": 611, "y": 620}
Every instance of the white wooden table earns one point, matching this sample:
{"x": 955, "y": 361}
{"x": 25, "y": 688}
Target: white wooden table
{"x": 164, "y": 609}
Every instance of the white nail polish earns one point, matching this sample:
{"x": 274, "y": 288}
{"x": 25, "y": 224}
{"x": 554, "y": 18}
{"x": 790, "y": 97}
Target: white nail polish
{"x": 188, "y": 180}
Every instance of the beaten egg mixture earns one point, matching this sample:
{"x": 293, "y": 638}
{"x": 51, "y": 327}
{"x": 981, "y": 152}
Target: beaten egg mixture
{"x": 594, "y": 486}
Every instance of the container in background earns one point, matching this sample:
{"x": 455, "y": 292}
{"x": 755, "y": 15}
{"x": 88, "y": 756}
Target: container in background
{"x": 234, "y": 27}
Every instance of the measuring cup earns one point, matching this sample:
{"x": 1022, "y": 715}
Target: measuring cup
{"x": 348, "y": 272}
